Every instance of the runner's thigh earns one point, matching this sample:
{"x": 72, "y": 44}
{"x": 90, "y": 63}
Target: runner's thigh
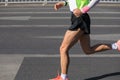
{"x": 71, "y": 37}
{"x": 85, "y": 42}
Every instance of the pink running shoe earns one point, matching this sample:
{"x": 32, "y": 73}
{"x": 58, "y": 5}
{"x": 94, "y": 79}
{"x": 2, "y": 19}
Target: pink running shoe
{"x": 118, "y": 45}
{"x": 58, "y": 78}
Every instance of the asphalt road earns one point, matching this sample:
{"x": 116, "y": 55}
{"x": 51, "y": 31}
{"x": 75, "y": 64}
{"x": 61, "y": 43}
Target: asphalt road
{"x": 30, "y": 38}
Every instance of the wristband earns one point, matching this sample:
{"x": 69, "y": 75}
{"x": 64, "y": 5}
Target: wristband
{"x": 65, "y": 3}
{"x": 85, "y": 9}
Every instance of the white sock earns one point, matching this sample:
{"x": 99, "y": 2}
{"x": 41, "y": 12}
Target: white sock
{"x": 64, "y": 76}
{"x": 114, "y": 46}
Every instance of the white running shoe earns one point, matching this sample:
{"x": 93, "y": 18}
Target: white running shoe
{"x": 118, "y": 45}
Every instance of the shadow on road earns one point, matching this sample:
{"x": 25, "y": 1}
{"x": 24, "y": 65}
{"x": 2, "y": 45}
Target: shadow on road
{"x": 104, "y": 76}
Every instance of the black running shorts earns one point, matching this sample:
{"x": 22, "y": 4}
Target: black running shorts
{"x": 82, "y": 22}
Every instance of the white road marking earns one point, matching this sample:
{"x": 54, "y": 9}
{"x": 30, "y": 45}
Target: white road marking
{"x": 72, "y": 55}
{"x": 57, "y": 26}
{"x": 57, "y": 55}
{"x": 107, "y": 37}
{"x": 69, "y": 18}
{"x": 29, "y": 17}
{"x": 15, "y": 18}
{"x": 66, "y": 12}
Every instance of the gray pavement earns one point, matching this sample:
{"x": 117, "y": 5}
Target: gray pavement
{"x": 82, "y": 68}
{"x": 31, "y": 36}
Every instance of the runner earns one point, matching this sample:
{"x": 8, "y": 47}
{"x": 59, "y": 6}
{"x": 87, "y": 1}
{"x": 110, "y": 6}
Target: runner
{"x": 79, "y": 31}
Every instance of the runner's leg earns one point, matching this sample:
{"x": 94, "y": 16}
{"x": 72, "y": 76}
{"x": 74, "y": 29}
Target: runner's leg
{"x": 70, "y": 38}
{"x": 85, "y": 44}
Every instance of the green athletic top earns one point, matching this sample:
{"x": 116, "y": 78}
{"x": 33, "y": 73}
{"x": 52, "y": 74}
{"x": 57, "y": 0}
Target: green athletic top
{"x": 83, "y": 5}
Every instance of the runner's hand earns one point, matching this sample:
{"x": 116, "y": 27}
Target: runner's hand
{"x": 58, "y": 5}
{"x": 77, "y": 12}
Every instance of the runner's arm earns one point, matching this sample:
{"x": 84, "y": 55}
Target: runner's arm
{"x": 60, "y": 4}
{"x": 89, "y": 6}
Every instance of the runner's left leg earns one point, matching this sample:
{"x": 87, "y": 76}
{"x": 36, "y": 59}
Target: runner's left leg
{"x": 85, "y": 44}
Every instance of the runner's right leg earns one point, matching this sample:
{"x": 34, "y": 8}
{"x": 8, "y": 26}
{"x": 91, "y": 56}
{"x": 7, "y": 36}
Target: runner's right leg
{"x": 70, "y": 38}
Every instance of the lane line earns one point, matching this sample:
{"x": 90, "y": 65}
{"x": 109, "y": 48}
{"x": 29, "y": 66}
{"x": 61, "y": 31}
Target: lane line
{"x": 65, "y": 12}
{"x": 69, "y": 18}
{"x": 105, "y": 37}
{"x": 15, "y": 18}
{"x": 57, "y": 55}
{"x": 37, "y": 18}
{"x": 73, "y": 55}
{"x": 57, "y": 26}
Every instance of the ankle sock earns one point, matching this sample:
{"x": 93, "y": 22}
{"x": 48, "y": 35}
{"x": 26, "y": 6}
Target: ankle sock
{"x": 114, "y": 46}
{"x": 64, "y": 76}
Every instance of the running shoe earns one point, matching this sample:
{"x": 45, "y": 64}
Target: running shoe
{"x": 58, "y": 78}
{"x": 118, "y": 45}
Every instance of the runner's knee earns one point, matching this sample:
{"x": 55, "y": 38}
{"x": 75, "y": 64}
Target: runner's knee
{"x": 63, "y": 49}
{"x": 88, "y": 51}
